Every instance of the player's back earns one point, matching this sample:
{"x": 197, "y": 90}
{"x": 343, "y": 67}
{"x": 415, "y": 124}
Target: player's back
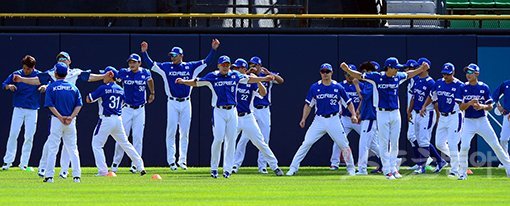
{"x": 110, "y": 102}
{"x": 64, "y": 96}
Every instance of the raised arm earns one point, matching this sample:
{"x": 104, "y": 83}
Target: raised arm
{"x": 27, "y": 80}
{"x": 212, "y": 53}
{"x": 261, "y": 89}
{"x": 144, "y": 46}
{"x": 423, "y": 67}
{"x": 353, "y": 73}
{"x": 95, "y": 77}
{"x": 255, "y": 79}
{"x": 277, "y": 77}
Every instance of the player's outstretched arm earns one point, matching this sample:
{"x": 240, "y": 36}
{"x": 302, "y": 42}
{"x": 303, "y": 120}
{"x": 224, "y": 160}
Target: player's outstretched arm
{"x": 353, "y": 73}
{"x": 27, "y": 80}
{"x": 306, "y": 112}
{"x": 267, "y": 78}
{"x": 277, "y": 77}
{"x": 261, "y": 89}
{"x": 423, "y": 67}
{"x": 190, "y": 82}
{"x": 96, "y": 77}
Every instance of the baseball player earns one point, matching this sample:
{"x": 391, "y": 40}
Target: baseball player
{"x": 111, "y": 97}
{"x": 262, "y": 111}
{"x": 25, "y": 101}
{"x": 64, "y": 101}
{"x": 135, "y": 81}
{"x": 475, "y": 100}
{"x": 178, "y": 104}
{"x": 345, "y": 117}
{"x": 502, "y": 92}
{"x": 424, "y": 123}
{"x": 73, "y": 74}
{"x": 443, "y": 94}
{"x": 386, "y": 100}
{"x": 325, "y": 95}
{"x": 223, "y": 84}
{"x": 247, "y": 124}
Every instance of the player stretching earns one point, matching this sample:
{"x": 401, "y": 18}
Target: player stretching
{"x": 503, "y": 92}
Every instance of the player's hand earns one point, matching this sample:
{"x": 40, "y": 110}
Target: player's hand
{"x": 410, "y": 117}
{"x": 478, "y": 106}
{"x": 215, "y": 44}
{"x": 68, "y": 120}
{"x": 110, "y": 74}
{"x": 302, "y": 123}
{"x": 252, "y": 70}
{"x": 42, "y": 88}
{"x": 144, "y": 46}
{"x": 11, "y": 87}
{"x": 16, "y": 78}
{"x": 62, "y": 120}
{"x": 179, "y": 81}
{"x": 344, "y": 66}
{"x": 151, "y": 98}
{"x": 355, "y": 81}
{"x": 473, "y": 102}
{"x": 269, "y": 78}
{"x": 500, "y": 108}
{"x": 252, "y": 75}
{"x": 265, "y": 71}
{"x": 354, "y": 119}
{"x": 422, "y": 112}
{"x": 425, "y": 65}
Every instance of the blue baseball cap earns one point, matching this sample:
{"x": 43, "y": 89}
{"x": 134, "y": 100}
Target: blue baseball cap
{"x": 256, "y": 60}
{"x": 326, "y": 66}
{"x": 376, "y": 65}
{"x": 110, "y": 68}
{"x": 392, "y": 62}
{"x": 223, "y": 59}
{"x": 240, "y": 63}
{"x": 472, "y": 67}
{"x": 411, "y": 63}
{"x": 423, "y": 59}
{"x": 134, "y": 57}
{"x": 448, "y": 68}
{"x": 64, "y": 55}
{"x": 61, "y": 69}
{"x": 175, "y": 51}
{"x": 353, "y": 67}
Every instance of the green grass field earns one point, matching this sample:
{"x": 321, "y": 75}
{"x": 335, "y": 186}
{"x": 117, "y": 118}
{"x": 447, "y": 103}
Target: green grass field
{"x": 311, "y": 186}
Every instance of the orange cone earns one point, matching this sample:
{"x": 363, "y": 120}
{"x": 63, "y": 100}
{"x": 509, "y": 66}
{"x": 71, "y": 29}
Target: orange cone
{"x": 469, "y": 172}
{"x": 111, "y": 174}
{"x": 156, "y": 177}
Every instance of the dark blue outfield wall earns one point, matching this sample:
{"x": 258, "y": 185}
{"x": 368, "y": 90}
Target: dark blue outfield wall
{"x": 296, "y": 57}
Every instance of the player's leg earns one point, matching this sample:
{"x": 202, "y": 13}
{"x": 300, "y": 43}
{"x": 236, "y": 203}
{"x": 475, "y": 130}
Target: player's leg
{"x": 53, "y": 143}
{"x": 505, "y": 133}
{"x": 367, "y": 127}
{"x": 230, "y": 142}
{"x": 423, "y": 138}
{"x": 263, "y": 117}
{"x": 118, "y": 133}
{"x": 30, "y": 128}
{"x": 64, "y": 162}
{"x": 314, "y": 133}
{"x": 138, "y": 128}
{"x": 254, "y": 134}
{"x": 127, "y": 122}
{"x": 70, "y": 140}
{"x": 336, "y": 132}
{"x": 172, "y": 120}
{"x": 453, "y": 134}
{"x": 487, "y": 133}
{"x": 12, "y": 141}
{"x": 442, "y": 132}
{"x": 394, "y": 134}
{"x": 383, "y": 125}
{"x": 219, "y": 126}
{"x": 99, "y": 137}
{"x": 469, "y": 128}
{"x": 335, "y": 151}
{"x": 241, "y": 144}
{"x": 184, "y": 127}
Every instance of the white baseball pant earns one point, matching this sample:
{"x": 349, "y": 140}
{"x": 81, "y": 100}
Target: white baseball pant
{"x": 423, "y": 127}
{"x": 263, "y": 117}
{"x": 178, "y": 113}
{"x": 505, "y": 133}
{"x": 482, "y": 127}
{"x": 21, "y": 116}
{"x": 132, "y": 120}
{"x": 411, "y": 133}
{"x": 224, "y": 130}
{"x": 64, "y": 158}
{"x": 348, "y": 127}
{"x": 388, "y": 124}
{"x": 321, "y": 126}
{"x": 251, "y": 132}
{"x": 67, "y": 133}
{"x": 367, "y": 140}
{"x": 112, "y": 126}
{"x": 448, "y": 138}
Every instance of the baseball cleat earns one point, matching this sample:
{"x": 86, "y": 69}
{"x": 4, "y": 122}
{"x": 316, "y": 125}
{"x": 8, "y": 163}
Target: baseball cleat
{"x": 278, "y": 172}
{"x": 429, "y": 160}
{"x": 77, "y": 179}
{"x": 399, "y": 162}
{"x": 23, "y": 167}
{"x": 420, "y": 170}
{"x": 351, "y": 172}
{"x": 115, "y": 167}
{"x": 226, "y": 174}
{"x": 440, "y": 166}
{"x": 173, "y": 167}
{"x": 41, "y": 173}
{"x": 362, "y": 172}
{"x": 397, "y": 175}
{"x": 48, "y": 180}
{"x": 333, "y": 167}
{"x": 501, "y": 166}
{"x": 6, "y": 166}
{"x": 234, "y": 169}
{"x": 462, "y": 177}
{"x": 143, "y": 172}
{"x": 390, "y": 176}
{"x": 183, "y": 166}
{"x": 452, "y": 175}
{"x": 133, "y": 169}
{"x": 101, "y": 174}
{"x": 214, "y": 174}
{"x": 414, "y": 167}
{"x": 376, "y": 171}
{"x": 263, "y": 171}
{"x": 290, "y": 173}
{"x": 63, "y": 175}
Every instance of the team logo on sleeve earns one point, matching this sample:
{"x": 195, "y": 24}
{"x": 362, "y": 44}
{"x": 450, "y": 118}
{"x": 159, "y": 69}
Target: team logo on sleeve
{"x": 454, "y": 89}
{"x": 186, "y": 67}
{"x": 396, "y": 79}
{"x": 336, "y": 90}
{"x": 143, "y": 76}
{"x": 233, "y": 76}
{"x": 482, "y": 91}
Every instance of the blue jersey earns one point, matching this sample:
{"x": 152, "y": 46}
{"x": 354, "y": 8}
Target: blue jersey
{"x": 170, "y": 72}
{"x": 223, "y": 87}
{"x": 135, "y": 85}
{"x": 326, "y": 99}
{"x": 110, "y": 97}
{"x": 245, "y": 95}
{"x": 64, "y": 96}
{"x": 386, "y": 88}
{"x": 420, "y": 91}
{"x": 481, "y": 92}
{"x": 503, "y": 89}
{"x": 26, "y": 95}
{"x": 367, "y": 105}
{"x": 350, "y": 89}
{"x": 265, "y": 100}
{"x": 445, "y": 95}
{"x": 72, "y": 76}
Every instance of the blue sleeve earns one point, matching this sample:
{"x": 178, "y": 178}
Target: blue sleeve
{"x": 208, "y": 77}
{"x": 147, "y": 60}
{"x": 210, "y": 57}
{"x": 310, "y": 96}
{"x": 84, "y": 76}
{"x": 7, "y": 81}
{"x": 48, "y": 99}
{"x": 430, "y": 87}
{"x": 98, "y": 93}
{"x": 79, "y": 101}
{"x": 149, "y": 74}
{"x": 371, "y": 75}
{"x": 401, "y": 75}
{"x": 122, "y": 74}
{"x": 458, "y": 93}
{"x": 44, "y": 77}
{"x": 497, "y": 93}
{"x": 344, "y": 96}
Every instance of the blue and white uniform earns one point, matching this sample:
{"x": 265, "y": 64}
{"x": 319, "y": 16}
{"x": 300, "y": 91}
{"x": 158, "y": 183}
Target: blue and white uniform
{"x": 224, "y": 101}
{"x": 450, "y": 120}
{"x": 249, "y": 128}
{"x": 64, "y": 97}
{"x": 110, "y": 98}
{"x": 368, "y": 135}
{"x": 133, "y": 113}
{"x": 503, "y": 93}
{"x": 423, "y": 125}
{"x": 476, "y": 122}
{"x": 178, "y": 104}
{"x": 25, "y": 101}
{"x": 327, "y": 100}
{"x": 345, "y": 118}
{"x": 388, "y": 116}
